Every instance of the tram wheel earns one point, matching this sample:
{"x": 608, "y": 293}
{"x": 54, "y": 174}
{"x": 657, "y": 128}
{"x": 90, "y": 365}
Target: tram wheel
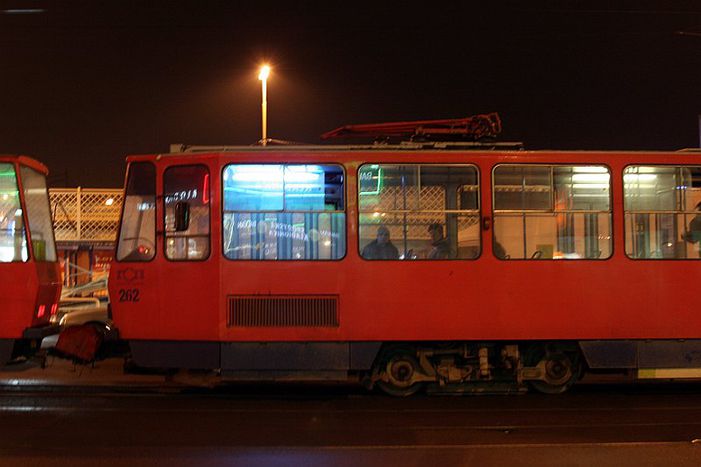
{"x": 399, "y": 368}
{"x": 562, "y": 369}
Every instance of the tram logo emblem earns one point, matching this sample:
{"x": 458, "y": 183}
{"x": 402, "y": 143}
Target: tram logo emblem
{"x": 130, "y": 275}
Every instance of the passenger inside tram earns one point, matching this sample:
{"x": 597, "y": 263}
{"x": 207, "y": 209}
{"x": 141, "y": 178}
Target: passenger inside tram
{"x": 440, "y": 247}
{"x": 693, "y": 233}
{"x": 381, "y": 247}
{"x": 408, "y": 198}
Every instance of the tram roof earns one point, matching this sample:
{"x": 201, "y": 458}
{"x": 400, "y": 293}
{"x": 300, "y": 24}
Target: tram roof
{"x": 483, "y": 148}
{"x": 404, "y": 146}
{"x": 25, "y": 160}
{"x": 480, "y": 149}
{"x": 179, "y": 149}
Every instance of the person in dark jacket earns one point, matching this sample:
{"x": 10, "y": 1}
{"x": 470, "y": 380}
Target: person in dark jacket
{"x": 693, "y": 233}
{"x": 381, "y": 247}
{"x": 440, "y": 247}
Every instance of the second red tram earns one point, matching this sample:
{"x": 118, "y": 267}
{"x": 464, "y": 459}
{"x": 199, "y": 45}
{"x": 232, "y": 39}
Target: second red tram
{"x": 31, "y": 284}
{"x": 412, "y": 265}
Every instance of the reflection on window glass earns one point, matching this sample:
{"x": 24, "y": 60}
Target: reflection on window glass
{"x": 552, "y": 212}
{"x": 523, "y": 188}
{"x": 36, "y": 199}
{"x": 418, "y": 212}
{"x": 137, "y": 237}
{"x": 284, "y": 212}
{"x": 13, "y": 242}
{"x": 662, "y": 218}
{"x": 253, "y": 188}
{"x": 186, "y": 194}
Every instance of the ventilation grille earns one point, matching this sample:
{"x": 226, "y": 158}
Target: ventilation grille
{"x": 283, "y": 311}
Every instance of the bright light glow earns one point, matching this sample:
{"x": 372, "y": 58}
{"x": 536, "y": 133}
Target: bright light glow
{"x": 7, "y": 254}
{"x": 256, "y": 173}
{"x": 590, "y": 177}
{"x": 303, "y": 173}
{"x": 591, "y": 169}
{"x": 635, "y": 178}
{"x": 274, "y": 173}
{"x": 109, "y": 201}
{"x": 263, "y": 77}
{"x": 264, "y": 72}
{"x": 598, "y": 186}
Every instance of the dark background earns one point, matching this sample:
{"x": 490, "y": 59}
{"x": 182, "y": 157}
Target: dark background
{"x": 83, "y": 83}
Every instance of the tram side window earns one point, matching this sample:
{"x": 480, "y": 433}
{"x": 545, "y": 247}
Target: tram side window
{"x": 36, "y": 199}
{"x": 284, "y": 212}
{"x": 13, "y": 237}
{"x": 552, "y": 212}
{"x": 186, "y": 195}
{"x": 137, "y": 237}
{"x": 662, "y": 207}
{"x": 418, "y": 211}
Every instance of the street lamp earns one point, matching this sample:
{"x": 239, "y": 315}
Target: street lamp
{"x": 263, "y": 77}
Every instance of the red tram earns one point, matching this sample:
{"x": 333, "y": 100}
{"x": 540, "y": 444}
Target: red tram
{"x": 412, "y": 265}
{"x": 31, "y": 282}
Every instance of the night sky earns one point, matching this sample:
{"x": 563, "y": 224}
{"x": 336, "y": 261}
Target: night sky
{"x": 86, "y": 82}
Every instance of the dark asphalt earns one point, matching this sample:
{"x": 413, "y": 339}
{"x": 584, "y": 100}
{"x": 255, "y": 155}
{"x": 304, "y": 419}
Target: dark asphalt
{"x": 281, "y": 425}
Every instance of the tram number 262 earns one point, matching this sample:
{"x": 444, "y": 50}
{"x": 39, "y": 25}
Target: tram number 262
{"x": 128, "y": 295}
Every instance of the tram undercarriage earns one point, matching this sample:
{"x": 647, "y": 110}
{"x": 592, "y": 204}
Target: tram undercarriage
{"x": 396, "y": 368}
{"x": 405, "y": 368}
{"x": 402, "y": 370}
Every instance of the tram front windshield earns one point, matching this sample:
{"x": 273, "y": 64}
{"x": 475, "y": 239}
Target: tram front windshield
{"x": 36, "y": 200}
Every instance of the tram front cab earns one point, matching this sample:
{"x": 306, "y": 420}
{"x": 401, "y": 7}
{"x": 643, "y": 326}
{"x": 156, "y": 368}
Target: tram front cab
{"x": 30, "y": 280}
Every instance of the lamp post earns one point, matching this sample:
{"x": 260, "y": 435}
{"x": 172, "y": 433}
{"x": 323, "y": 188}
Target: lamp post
{"x": 263, "y": 77}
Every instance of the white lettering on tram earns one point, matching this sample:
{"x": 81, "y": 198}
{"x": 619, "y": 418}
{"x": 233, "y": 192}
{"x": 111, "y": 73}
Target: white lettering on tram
{"x": 284, "y": 230}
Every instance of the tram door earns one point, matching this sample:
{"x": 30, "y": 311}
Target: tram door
{"x": 188, "y": 270}
{"x": 162, "y": 275}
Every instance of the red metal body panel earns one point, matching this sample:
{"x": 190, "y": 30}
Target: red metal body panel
{"x": 18, "y": 294}
{"x": 26, "y": 285}
{"x": 482, "y": 299}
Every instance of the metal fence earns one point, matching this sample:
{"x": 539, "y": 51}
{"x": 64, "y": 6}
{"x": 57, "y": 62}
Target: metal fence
{"x": 86, "y": 215}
